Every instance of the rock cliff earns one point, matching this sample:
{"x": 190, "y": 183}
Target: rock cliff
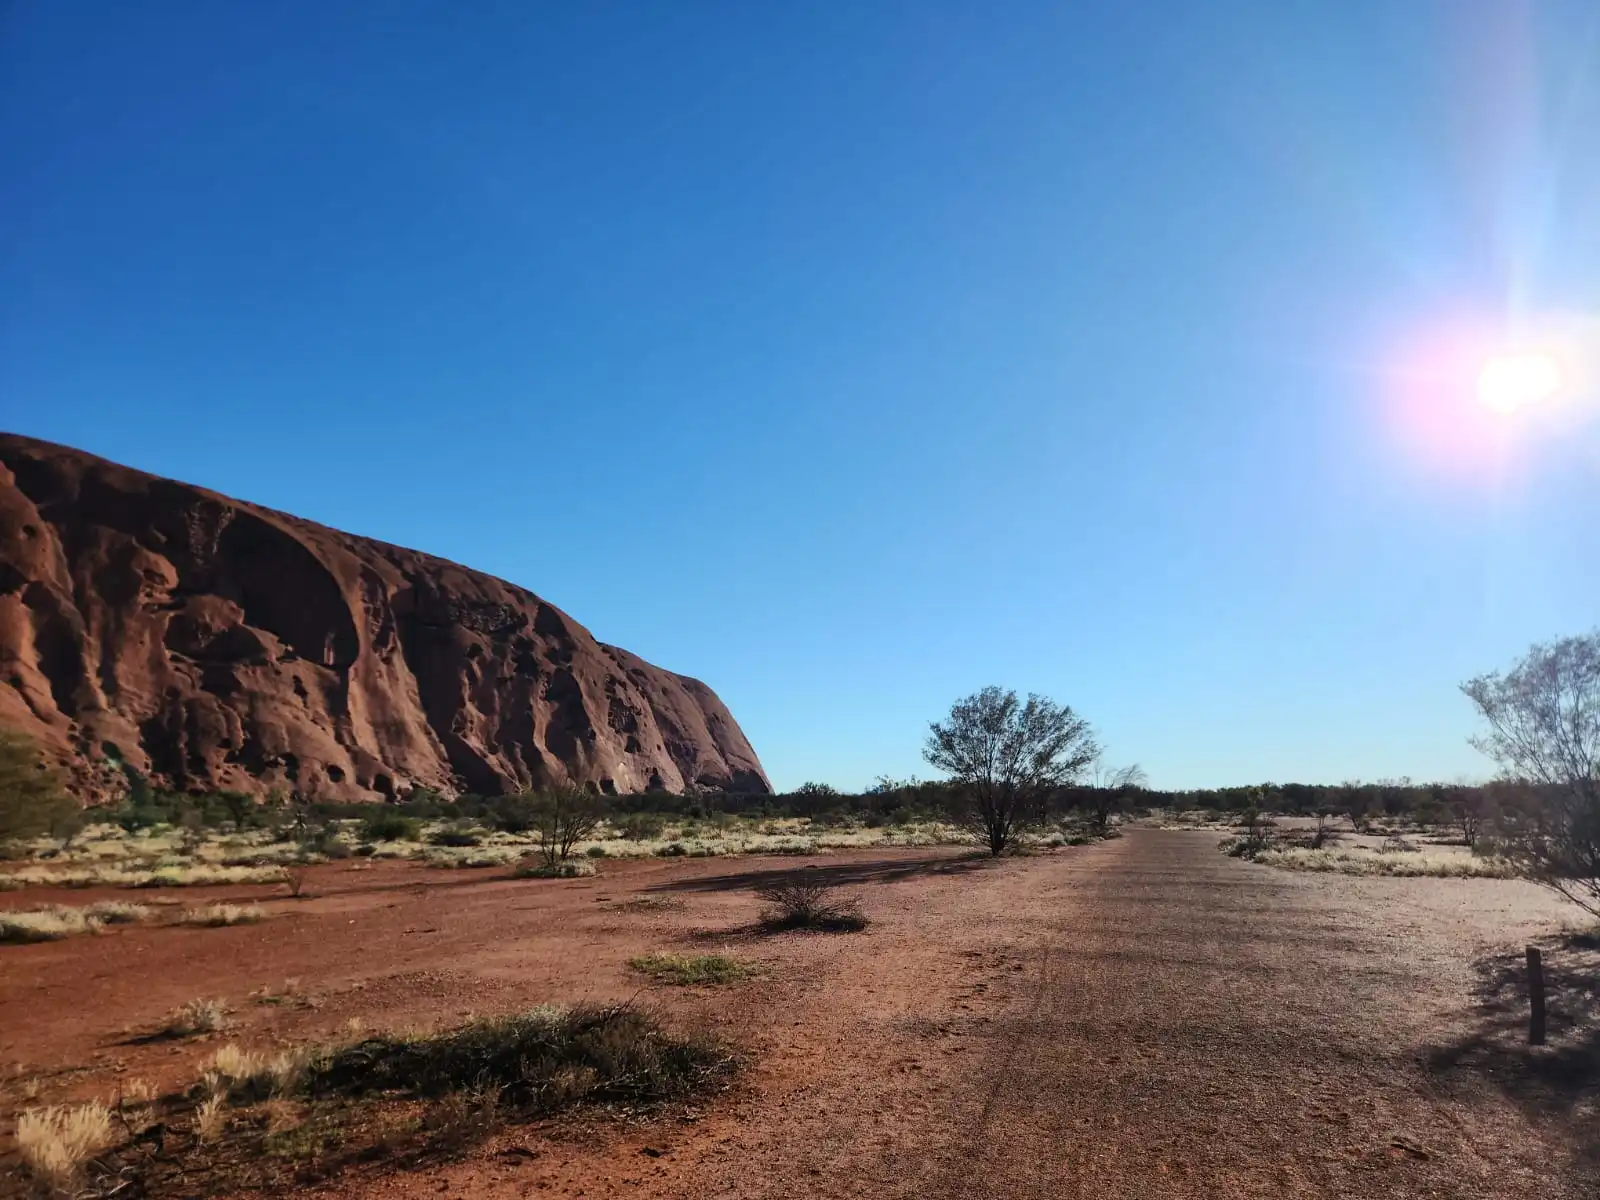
{"x": 211, "y": 643}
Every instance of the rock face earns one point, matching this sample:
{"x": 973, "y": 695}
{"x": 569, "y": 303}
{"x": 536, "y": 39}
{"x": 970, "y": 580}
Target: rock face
{"x": 211, "y": 644}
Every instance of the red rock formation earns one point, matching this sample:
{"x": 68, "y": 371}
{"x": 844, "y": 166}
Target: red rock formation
{"x": 212, "y": 644}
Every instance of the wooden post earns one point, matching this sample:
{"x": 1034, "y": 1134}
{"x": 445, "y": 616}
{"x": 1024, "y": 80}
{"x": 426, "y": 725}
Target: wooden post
{"x": 1535, "y": 998}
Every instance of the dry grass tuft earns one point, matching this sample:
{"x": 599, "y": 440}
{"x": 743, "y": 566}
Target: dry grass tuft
{"x": 197, "y": 1017}
{"x": 537, "y": 868}
{"x": 55, "y": 1143}
{"x": 210, "y": 1119}
{"x": 241, "y": 1075}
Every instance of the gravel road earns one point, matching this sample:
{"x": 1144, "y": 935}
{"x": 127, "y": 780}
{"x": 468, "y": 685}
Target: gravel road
{"x": 1153, "y": 1019}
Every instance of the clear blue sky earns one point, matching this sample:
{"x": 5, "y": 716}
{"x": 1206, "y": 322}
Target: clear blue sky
{"x": 853, "y": 356}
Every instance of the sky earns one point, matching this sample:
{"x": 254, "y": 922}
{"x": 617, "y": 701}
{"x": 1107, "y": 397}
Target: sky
{"x": 853, "y": 357}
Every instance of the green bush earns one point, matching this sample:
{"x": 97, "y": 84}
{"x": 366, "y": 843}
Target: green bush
{"x": 457, "y": 837}
{"x": 386, "y": 826}
{"x": 640, "y": 827}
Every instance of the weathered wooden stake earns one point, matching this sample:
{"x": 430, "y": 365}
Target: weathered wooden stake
{"x": 1535, "y": 998}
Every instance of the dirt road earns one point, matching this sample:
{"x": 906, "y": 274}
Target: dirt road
{"x": 1142, "y": 1018}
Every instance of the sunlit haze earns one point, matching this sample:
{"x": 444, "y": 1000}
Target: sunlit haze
{"x": 1510, "y": 381}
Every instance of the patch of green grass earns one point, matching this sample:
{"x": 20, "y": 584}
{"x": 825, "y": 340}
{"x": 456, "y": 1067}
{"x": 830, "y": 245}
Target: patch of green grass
{"x": 693, "y": 968}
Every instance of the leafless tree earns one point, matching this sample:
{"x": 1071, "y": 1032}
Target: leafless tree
{"x": 1544, "y": 730}
{"x": 563, "y": 816}
{"x": 1111, "y": 787}
{"x": 1007, "y": 759}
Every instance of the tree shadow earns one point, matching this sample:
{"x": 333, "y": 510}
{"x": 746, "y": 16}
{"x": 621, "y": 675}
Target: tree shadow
{"x": 1557, "y": 1082}
{"x": 894, "y": 870}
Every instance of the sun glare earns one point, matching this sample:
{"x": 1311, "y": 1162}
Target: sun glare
{"x": 1510, "y": 381}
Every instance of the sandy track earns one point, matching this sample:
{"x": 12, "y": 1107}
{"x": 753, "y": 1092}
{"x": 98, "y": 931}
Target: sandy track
{"x": 1142, "y": 1018}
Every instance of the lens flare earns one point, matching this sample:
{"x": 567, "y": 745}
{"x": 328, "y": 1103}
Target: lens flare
{"x": 1509, "y": 382}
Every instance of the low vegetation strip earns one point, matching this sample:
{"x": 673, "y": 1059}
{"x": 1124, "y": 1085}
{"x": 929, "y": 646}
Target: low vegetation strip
{"x": 59, "y": 921}
{"x": 1358, "y": 862}
{"x": 259, "y": 1120}
{"x": 196, "y": 875}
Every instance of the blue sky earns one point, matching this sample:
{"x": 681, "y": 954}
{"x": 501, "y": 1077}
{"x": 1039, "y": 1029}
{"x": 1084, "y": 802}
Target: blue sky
{"x": 854, "y": 356}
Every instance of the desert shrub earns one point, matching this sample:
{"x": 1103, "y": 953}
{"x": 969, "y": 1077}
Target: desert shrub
{"x": 33, "y": 801}
{"x": 596, "y": 852}
{"x": 196, "y": 1017}
{"x": 808, "y": 904}
{"x": 44, "y": 924}
{"x": 56, "y": 1143}
{"x": 538, "y": 868}
{"x": 117, "y": 912}
{"x": 455, "y": 837}
{"x": 538, "y": 1061}
{"x": 640, "y": 827}
{"x": 387, "y": 826}
{"x": 672, "y": 850}
{"x": 214, "y": 916}
{"x": 692, "y": 968}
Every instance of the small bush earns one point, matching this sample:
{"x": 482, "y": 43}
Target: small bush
{"x": 806, "y": 904}
{"x": 55, "y": 1143}
{"x": 692, "y": 968}
{"x": 386, "y": 826}
{"x": 596, "y": 852}
{"x": 456, "y": 838}
{"x": 538, "y": 1061}
{"x": 640, "y": 827}
{"x": 672, "y": 850}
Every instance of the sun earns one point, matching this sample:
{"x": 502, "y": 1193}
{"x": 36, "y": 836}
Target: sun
{"x": 1510, "y": 381}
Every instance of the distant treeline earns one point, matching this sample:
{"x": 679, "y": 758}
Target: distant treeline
{"x": 889, "y": 802}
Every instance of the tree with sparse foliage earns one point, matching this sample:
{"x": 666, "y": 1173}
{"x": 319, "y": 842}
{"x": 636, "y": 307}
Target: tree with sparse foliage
{"x": 1111, "y": 788}
{"x": 33, "y": 801}
{"x": 1543, "y": 720}
{"x": 563, "y": 816}
{"x": 1007, "y": 759}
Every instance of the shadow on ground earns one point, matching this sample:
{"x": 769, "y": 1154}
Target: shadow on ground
{"x": 834, "y": 874}
{"x": 1559, "y": 1081}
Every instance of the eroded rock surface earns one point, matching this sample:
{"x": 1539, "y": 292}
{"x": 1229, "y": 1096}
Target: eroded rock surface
{"x": 212, "y": 644}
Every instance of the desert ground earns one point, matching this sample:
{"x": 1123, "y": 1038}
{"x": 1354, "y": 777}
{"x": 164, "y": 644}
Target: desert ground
{"x": 1141, "y": 1017}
